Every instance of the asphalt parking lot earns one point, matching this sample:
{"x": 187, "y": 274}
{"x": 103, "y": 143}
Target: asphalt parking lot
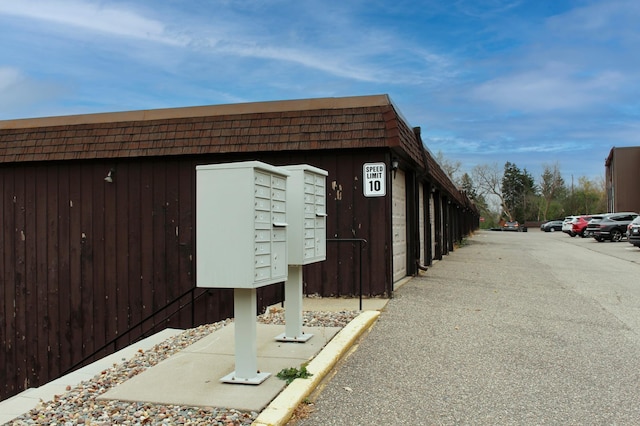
{"x": 514, "y": 328}
{"x": 621, "y": 250}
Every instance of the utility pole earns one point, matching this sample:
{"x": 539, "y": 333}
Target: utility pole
{"x": 572, "y": 204}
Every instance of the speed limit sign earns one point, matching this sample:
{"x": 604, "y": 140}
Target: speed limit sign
{"x": 374, "y": 177}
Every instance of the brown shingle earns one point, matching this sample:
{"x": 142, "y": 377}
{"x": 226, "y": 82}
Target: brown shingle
{"x": 289, "y": 125}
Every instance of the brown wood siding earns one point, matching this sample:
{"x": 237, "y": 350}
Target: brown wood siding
{"x": 351, "y": 215}
{"x": 83, "y": 260}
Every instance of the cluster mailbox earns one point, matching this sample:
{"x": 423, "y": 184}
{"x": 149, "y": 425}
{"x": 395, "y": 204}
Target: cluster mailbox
{"x": 307, "y": 240}
{"x": 257, "y": 224}
{"x": 306, "y": 212}
{"x": 241, "y": 223}
{"x": 241, "y": 243}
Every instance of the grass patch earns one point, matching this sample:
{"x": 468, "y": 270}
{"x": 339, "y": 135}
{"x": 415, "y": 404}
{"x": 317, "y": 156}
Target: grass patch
{"x": 463, "y": 242}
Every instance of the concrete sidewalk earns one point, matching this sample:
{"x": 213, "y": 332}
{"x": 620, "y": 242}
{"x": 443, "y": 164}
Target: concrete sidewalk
{"x": 514, "y": 328}
{"x": 192, "y": 377}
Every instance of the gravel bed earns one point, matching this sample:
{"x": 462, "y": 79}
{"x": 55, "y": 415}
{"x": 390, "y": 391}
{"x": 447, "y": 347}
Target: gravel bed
{"x": 79, "y": 405}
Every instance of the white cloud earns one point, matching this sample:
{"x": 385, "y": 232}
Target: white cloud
{"x": 577, "y": 61}
{"x": 548, "y": 90}
{"x": 599, "y": 21}
{"x": 545, "y": 147}
{"x": 310, "y": 58}
{"x": 331, "y": 43}
{"x": 485, "y": 9}
{"x": 92, "y": 17}
{"x": 18, "y": 91}
{"x": 8, "y": 78}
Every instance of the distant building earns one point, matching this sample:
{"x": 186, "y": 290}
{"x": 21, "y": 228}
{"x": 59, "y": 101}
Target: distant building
{"x": 623, "y": 179}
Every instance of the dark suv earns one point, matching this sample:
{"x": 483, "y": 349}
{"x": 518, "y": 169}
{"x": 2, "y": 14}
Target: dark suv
{"x": 633, "y": 232}
{"x": 593, "y": 223}
{"x": 612, "y": 227}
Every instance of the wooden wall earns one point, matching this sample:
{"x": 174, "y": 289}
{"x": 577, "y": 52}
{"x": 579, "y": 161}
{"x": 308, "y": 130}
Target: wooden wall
{"x": 83, "y": 260}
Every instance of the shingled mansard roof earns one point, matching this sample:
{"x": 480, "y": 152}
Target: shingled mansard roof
{"x": 307, "y": 124}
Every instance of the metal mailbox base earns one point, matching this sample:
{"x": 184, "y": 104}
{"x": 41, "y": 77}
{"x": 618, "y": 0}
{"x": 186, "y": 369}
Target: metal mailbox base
{"x": 296, "y": 339}
{"x": 256, "y": 380}
{"x": 246, "y": 356}
{"x": 293, "y": 308}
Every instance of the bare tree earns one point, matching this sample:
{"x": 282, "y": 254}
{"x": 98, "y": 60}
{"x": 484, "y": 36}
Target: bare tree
{"x": 551, "y": 186}
{"x": 488, "y": 181}
{"x": 451, "y": 168}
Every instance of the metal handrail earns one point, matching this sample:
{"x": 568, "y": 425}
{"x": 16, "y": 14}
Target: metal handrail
{"x": 361, "y": 242}
{"x": 114, "y": 341}
{"x": 140, "y": 323}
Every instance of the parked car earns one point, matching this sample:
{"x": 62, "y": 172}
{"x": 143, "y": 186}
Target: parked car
{"x": 511, "y": 225}
{"x": 633, "y": 232}
{"x": 579, "y": 225}
{"x": 613, "y": 227}
{"x": 566, "y": 224}
{"x": 551, "y": 226}
{"x": 592, "y": 225}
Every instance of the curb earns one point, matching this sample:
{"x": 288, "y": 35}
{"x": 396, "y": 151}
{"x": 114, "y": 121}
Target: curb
{"x": 280, "y": 410}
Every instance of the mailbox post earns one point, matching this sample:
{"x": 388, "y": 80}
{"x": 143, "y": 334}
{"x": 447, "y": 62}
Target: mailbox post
{"x": 307, "y": 240}
{"x": 241, "y": 243}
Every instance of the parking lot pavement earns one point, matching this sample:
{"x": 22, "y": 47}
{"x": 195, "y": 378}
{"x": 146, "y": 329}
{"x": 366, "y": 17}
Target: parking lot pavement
{"x": 513, "y": 328}
{"x": 622, "y": 250}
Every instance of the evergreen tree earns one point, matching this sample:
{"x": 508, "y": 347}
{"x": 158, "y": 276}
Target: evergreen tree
{"x": 466, "y": 185}
{"x": 518, "y": 189}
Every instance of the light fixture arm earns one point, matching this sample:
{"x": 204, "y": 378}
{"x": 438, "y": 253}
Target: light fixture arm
{"x": 109, "y": 178}
{"x": 394, "y": 166}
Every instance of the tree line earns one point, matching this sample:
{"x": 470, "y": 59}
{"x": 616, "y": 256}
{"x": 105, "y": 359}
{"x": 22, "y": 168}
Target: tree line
{"x": 510, "y": 193}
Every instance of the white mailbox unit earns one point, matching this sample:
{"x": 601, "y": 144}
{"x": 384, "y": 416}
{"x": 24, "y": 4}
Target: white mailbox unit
{"x": 307, "y": 239}
{"x": 241, "y": 243}
{"x": 241, "y": 223}
{"x": 307, "y": 213}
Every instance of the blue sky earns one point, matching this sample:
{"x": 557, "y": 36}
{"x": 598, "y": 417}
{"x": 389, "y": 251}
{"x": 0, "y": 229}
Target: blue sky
{"x": 532, "y": 82}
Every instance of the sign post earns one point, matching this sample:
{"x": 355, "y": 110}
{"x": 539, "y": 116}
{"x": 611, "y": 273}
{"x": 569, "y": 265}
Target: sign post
{"x": 374, "y": 179}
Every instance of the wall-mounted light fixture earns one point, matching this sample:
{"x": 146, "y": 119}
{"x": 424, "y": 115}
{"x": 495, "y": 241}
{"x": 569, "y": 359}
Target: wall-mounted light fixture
{"x": 109, "y": 178}
{"x": 394, "y": 166}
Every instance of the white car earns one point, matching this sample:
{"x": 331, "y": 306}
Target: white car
{"x": 567, "y": 224}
